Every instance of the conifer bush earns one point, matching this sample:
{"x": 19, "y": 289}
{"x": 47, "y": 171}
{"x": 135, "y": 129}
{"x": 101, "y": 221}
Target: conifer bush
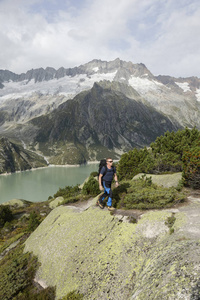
{"x": 164, "y": 155}
{"x": 74, "y": 295}
{"x": 91, "y": 187}
{"x": 17, "y": 271}
{"x": 191, "y": 168}
{"x": 34, "y": 221}
{"x": 68, "y": 191}
{"x": 143, "y": 194}
{"x": 5, "y": 215}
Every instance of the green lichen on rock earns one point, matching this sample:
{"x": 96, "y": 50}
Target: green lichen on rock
{"x": 102, "y": 257}
{"x": 17, "y": 203}
{"x": 172, "y": 272}
{"x": 165, "y": 180}
{"x": 56, "y": 202}
{"x": 92, "y": 247}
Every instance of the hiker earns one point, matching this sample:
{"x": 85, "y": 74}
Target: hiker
{"x": 105, "y": 179}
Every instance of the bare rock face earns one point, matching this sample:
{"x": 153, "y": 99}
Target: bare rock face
{"x": 14, "y": 157}
{"x": 101, "y": 120}
{"x": 104, "y": 257}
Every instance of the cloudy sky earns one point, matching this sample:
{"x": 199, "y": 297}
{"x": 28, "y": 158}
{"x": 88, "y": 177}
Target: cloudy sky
{"x": 162, "y": 34}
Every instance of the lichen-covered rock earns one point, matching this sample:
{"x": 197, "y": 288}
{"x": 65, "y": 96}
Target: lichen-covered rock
{"x": 56, "y": 202}
{"x": 17, "y": 203}
{"x": 165, "y": 180}
{"x": 102, "y": 257}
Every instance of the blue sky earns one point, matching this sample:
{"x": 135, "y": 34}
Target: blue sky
{"x": 162, "y": 34}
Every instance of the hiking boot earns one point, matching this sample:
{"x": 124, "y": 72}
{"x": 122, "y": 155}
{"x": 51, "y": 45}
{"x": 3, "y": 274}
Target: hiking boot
{"x": 100, "y": 203}
{"x": 110, "y": 208}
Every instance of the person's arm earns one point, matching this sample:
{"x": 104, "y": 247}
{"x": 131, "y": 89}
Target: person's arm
{"x": 116, "y": 180}
{"x": 100, "y": 185}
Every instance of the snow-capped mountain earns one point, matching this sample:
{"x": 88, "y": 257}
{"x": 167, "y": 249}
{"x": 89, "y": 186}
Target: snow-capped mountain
{"x": 39, "y": 91}
{"x": 60, "y": 113}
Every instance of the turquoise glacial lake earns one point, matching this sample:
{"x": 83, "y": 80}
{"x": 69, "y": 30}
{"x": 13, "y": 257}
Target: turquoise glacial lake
{"x": 37, "y": 185}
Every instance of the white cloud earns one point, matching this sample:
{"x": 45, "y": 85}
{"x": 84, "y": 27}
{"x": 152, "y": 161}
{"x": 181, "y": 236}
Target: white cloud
{"x": 164, "y": 35}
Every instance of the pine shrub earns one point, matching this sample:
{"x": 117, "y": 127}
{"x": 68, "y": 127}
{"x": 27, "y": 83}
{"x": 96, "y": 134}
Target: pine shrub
{"x": 5, "y": 215}
{"x": 91, "y": 187}
{"x": 191, "y": 168}
{"x": 143, "y": 194}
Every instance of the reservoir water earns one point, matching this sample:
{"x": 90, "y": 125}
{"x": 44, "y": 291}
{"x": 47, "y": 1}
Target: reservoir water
{"x": 38, "y": 185}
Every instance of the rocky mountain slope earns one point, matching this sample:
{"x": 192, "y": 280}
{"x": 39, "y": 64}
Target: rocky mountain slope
{"x": 39, "y": 91}
{"x": 107, "y": 120}
{"x": 58, "y": 112}
{"x": 14, "y": 157}
{"x": 104, "y": 256}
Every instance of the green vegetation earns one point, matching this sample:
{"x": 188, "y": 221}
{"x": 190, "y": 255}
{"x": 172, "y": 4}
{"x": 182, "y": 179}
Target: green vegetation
{"x": 173, "y": 152}
{"x": 34, "y": 221}
{"x": 68, "y": 191}
{"x": 73, "y": 296}
{"x": 73, "y": 194}
{"x": 23, "y": 221}
{"x": 170, "y": 222}
{"x": 5, "y": 215}
{"x": 94, "y": 174}
{"x": 17, "y": 271}
{"x": 191, "y": 167}
{"x": 91, "y": 187}
{"x": 143, "y": 194}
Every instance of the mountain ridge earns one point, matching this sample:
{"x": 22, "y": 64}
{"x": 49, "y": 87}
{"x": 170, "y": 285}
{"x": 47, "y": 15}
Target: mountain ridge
{"x": 165, "y": 93}
{"x": 43, "y": 93}
{"x": 97, "y": 123}
{"x": 41, "y": 74}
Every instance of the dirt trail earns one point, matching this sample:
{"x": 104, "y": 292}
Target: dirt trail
{"x": 191, "y": 209}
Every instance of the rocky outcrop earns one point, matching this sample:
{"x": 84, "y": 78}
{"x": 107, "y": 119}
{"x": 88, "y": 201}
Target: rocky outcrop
{"x": 17, "y": 203}
{"x": 14, "y": 157}
{"x": 165, "y": 180}
{"x": 104, "y": 257}
{"x": 20, "y": 110}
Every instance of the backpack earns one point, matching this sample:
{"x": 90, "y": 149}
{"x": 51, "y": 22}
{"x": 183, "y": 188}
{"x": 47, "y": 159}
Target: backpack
{"x": 101, "y": 165}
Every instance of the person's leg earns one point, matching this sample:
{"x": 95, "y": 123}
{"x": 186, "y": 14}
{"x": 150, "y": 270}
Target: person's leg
{"x": 102, "y": 197}
{"x": 109, "y": 202}
{"x": 107, "y": 189}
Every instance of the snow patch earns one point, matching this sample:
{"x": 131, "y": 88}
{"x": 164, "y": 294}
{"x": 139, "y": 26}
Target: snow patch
{"x": 67, "y": 86}
{"x": 145, "y": 75}
{"x": 95, "y": 69}
{"x": 184, "y": 86}
{"x": 198, "y": 94}
{"x": 144, "y": 85}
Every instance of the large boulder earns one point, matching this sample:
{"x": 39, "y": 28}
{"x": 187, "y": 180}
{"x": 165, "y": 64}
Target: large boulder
{"x": 165, "y": 180}
{"x": 17, "y": 203}
{"x": 102, "y": 257}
